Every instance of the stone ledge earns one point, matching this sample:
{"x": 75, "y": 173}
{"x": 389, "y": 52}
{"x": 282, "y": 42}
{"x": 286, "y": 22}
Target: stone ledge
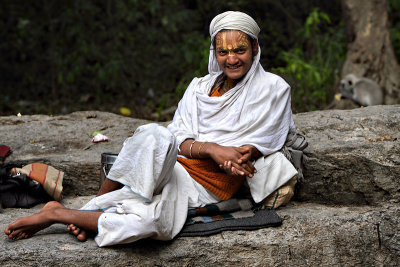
{"x": 353, "y": 155}
{"x": 311, "y": 234}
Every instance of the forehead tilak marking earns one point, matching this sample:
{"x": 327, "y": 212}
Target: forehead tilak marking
{"x": 233, "y": 40}
{"x": 231, "y": 46}
{"x": 242, "y": 38}
{"x": 224, "y": 40}
{"x": 218, "y": 39}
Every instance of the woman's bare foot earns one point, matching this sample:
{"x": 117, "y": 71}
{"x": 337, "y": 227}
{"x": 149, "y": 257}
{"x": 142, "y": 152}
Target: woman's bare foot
{"x": 28, "y": 226}
{"x": 80, "y": 234}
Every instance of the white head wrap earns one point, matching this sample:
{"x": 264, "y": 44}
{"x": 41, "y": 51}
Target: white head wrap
{"x": 230, "y": 20}
{"x": 234, "y": 20}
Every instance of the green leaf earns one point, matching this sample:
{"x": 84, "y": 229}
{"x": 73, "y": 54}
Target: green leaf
{"x": 60, "y": 78}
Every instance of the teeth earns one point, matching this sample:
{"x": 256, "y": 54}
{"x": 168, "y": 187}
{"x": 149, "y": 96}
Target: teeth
{"x": 233, "y": 67}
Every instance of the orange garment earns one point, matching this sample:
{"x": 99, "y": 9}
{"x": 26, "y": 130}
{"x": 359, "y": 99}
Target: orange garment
{"x": 216, "y": 92}
{"x": 207, "y": 173}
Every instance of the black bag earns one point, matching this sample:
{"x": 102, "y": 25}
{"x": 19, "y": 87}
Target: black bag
{"x": 19, "y": 191}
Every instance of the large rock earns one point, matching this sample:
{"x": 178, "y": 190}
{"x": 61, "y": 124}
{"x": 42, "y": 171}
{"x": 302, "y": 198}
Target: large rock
{"x": 353, "y": 159}
{"x": 353, "y": 155}
{"x": 311, "y": 235}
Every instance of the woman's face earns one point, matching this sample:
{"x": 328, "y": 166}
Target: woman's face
{"x": 234, "y": 53}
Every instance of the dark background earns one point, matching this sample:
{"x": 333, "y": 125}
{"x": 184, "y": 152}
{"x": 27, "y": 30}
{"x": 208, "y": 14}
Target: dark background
{"x": 62, "y": 56}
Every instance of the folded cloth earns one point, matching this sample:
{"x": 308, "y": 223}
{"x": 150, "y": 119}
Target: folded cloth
{"x": 229, "y": 209}
{"x": 260, "y": 219}
{"x": 50, "y": 178}
{"x": 296, "y": 141}
{"x": 293, "y": 151}
{"x": 5, "y": 151}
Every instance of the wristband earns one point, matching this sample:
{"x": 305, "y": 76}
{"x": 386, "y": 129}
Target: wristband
{"x": 190, "y": 149}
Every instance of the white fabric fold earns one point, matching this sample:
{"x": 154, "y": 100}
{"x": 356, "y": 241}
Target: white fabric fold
{"x": 157, "y": 194}
{"x": 272, "y": 172}
{"x": 149, "y": 144}
{"x": 128, "y": 217}
{"x": 256, "y": 112}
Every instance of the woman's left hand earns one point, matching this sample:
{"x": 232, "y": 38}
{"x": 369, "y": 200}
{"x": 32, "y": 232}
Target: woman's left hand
{"x": 244, "y": 163}
{"x": 238, "y": 169}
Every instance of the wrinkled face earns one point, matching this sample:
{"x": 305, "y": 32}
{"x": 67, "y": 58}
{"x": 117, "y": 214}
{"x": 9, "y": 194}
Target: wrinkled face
{"x": 234, "y": 54}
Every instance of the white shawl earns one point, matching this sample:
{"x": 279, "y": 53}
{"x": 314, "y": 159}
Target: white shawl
{"x": 256, "y": 111}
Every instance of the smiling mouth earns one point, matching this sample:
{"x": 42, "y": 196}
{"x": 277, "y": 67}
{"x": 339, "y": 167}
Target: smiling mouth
{"x": 233, "y": 67}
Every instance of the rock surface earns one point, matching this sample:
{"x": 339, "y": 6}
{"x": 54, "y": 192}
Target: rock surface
{"x": 353, "y": 155}
{"x": 311, "y": 235}
{"x": 348, "y": 211}
{"x": 64, "y": 142}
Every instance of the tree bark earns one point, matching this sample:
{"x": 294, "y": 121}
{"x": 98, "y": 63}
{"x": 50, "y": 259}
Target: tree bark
{"x": 370, "y": 51}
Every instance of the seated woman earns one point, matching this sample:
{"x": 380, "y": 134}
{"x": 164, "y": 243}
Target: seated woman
{"x": 224, "y": 122}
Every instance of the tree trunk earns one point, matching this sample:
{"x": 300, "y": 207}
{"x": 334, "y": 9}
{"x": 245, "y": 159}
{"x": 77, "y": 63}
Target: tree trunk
{"x": 370, "y": 51}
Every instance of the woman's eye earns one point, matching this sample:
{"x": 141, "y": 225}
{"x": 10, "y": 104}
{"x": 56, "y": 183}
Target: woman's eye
{"x": 222, "y": 53}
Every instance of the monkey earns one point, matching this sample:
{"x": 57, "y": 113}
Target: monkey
{"x": 363, "y": 91}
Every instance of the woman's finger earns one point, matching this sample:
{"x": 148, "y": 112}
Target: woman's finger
{"x": 240, "y": 169}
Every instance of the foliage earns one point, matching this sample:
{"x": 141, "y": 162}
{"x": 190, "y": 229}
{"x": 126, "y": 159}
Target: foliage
{"x": 200, "y": 65}
{"x": 95, "y": 53}
{"x": 61, "y": 56}
{"x": 313, "y": 65}
{"x": 394, "y": 15}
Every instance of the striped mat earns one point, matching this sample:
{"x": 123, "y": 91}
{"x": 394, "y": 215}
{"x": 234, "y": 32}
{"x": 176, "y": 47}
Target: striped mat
{"x": 232, "y": 214}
